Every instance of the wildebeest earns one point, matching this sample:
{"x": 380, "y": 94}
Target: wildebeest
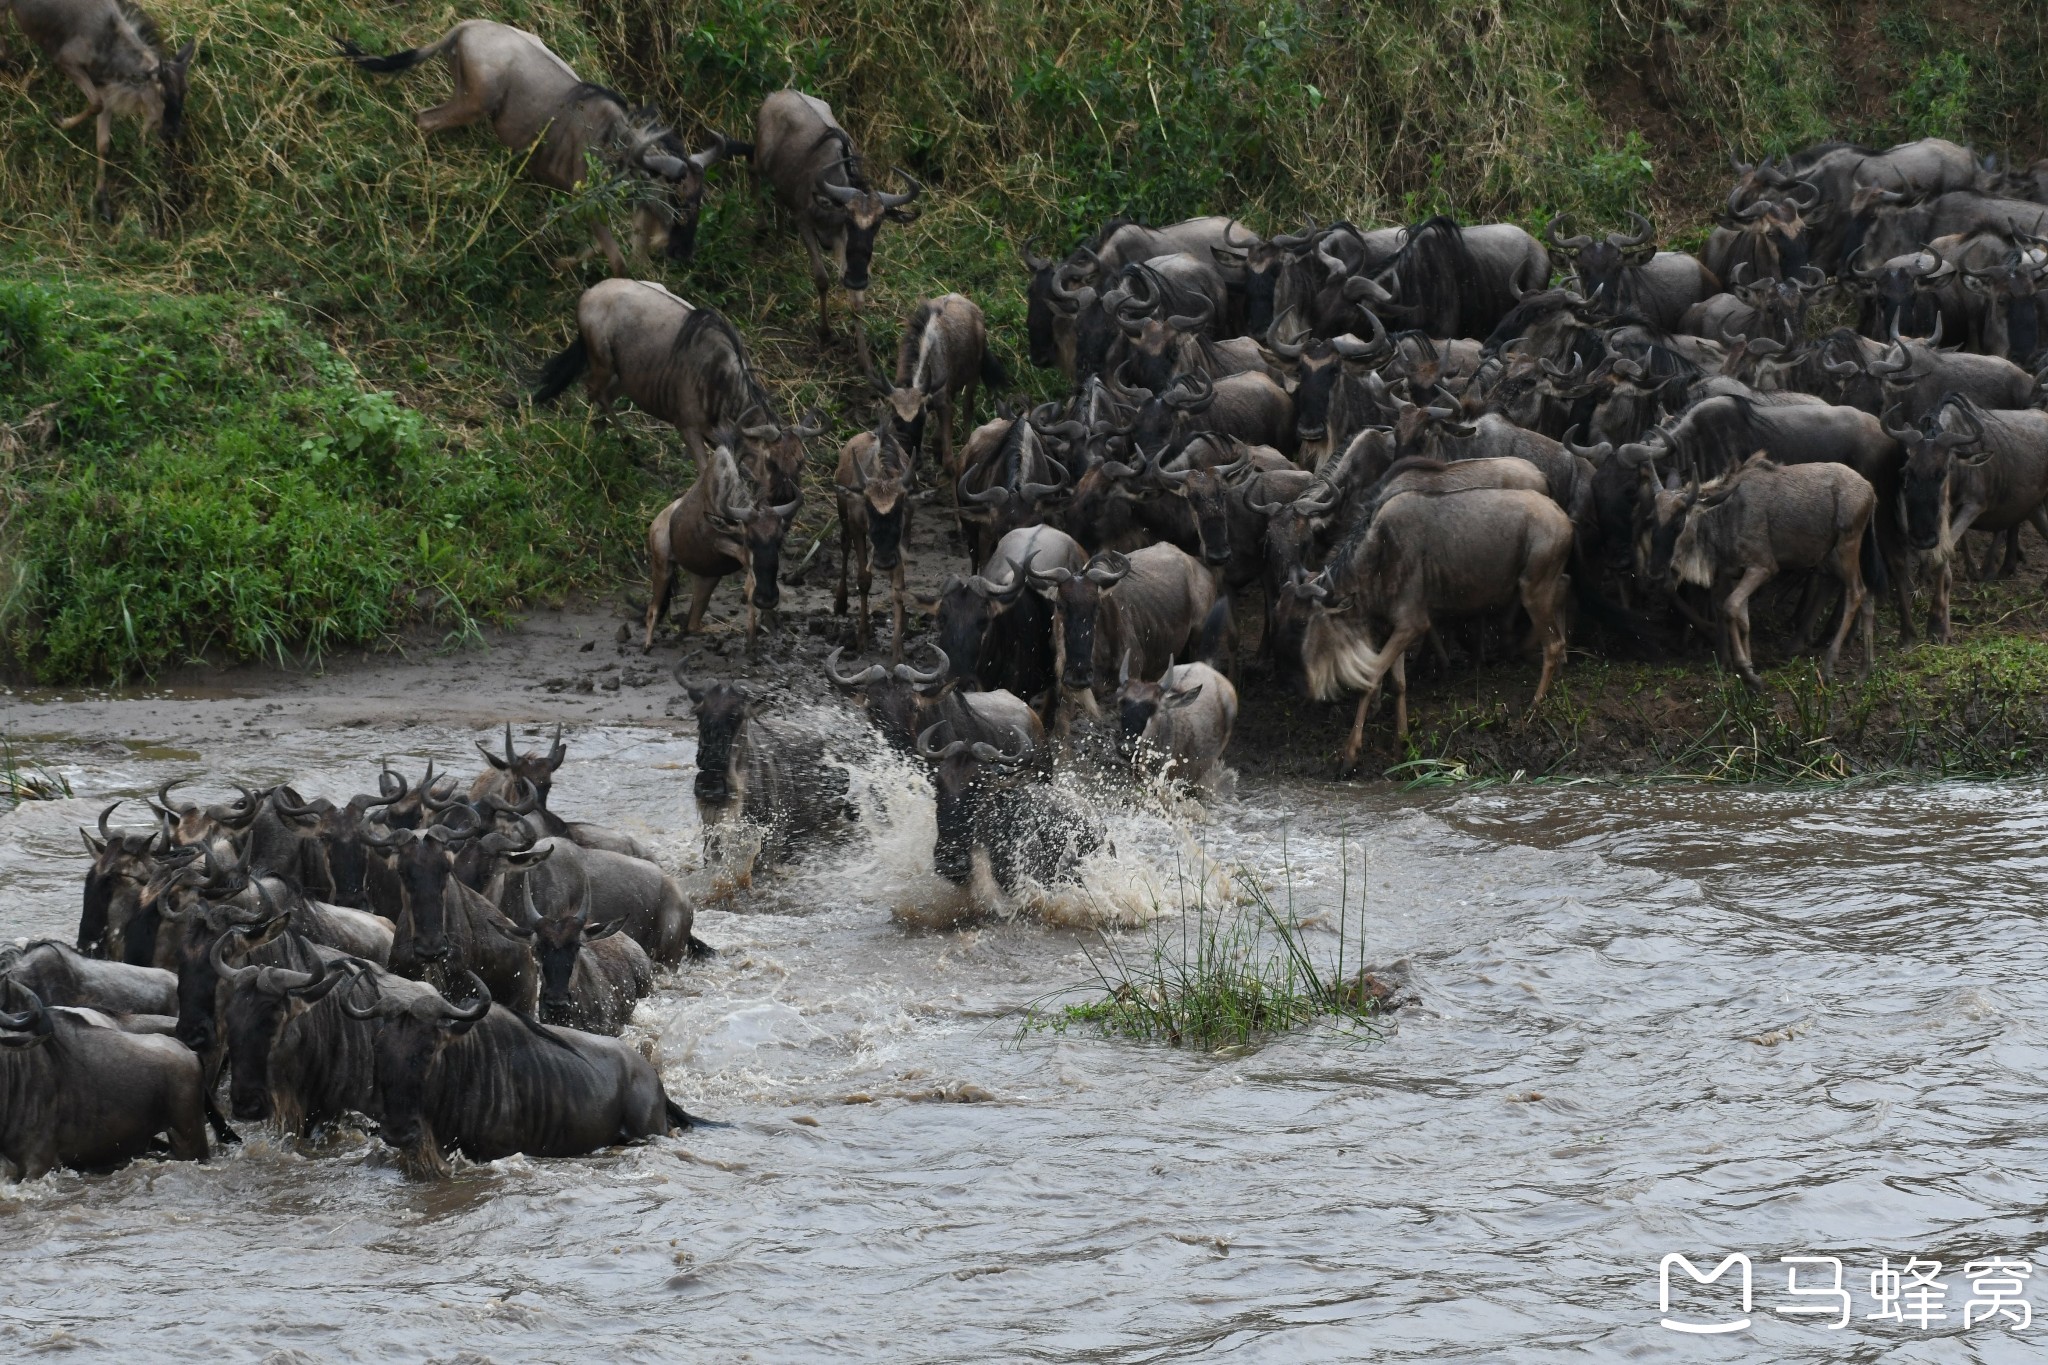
{"x": 60, "y": 975}
{"x": 1450, "y": 281}
{"x": 110, "y": 50}
{"x": 632, "y": 891}
{"x": 83, "y": 1092}
{"x": 534, "y": 100}
{"x": 1768, "y": 238}
{"x": 812, "y": 166}
{"x": 292, "y": 1055}
{"x": 1150, "y": 605}
{"x": 488, "y": 1082}
{"x": 1918, "y": 377}
{"x": 2012, "y": 319}
{"x": 123, "y": 863}
{"x": 986, "y": 804}
{"x": 1422, "y": 555}
{"x": 721, "y": 527}
{"x": 1625, "y": 273}
{"x": 995, "y": 632}
{"x": 445, "y": 928}
{"x": 1969, "y": 469}
{"x": 874, "y": 484}
{"x": 903, "y": 702}
{"x": 943, "y": 355}
{"x": 1762, "y": 518}
{"x": 747, "y": 771}
{"x": 591, "y": 975}
{"x": 685, "y": 366}
{"x": 1181, "y": 720}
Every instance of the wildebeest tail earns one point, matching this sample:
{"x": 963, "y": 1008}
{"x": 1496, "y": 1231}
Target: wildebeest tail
{"x": 1214, "y": 643}
{"x": 1874, "y": 577}
{"x": 396, "y": 61}
{"x": 683, "y": 1120}
{"x": 562, "y": 371}
{"x": 698, "y": 949}
{"x": 993, "y": 375}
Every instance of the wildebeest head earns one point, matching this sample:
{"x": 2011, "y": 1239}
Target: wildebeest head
{"x": 193, "y": 823}
{"x": 1896, "y": 293}
{"x": 668, "y": 226}
{"x": 1139, "y": 701}
{"x": 1602, "y": 266}
{"x": 865, "y": 209}
{"x": 1264, "y": 264}
{"x": 122, "y": 865}
{"x": 534, "y": 767}
{"x": 1931, "y": 455}
{"x": 966, "y": 608}
{"x": 722, "y": 711}
{"x": 1318, "y": 365}
{"x": 1078, "y": 597}
{"x": 200, "y": 925}
{"x": 557, "y": 941}
{"x": 1205, "y": 489}
{"x": 261, "y": 1001}
{"x": 408, "y": 1046}
{"x": 425, "y": 866}
{"x": 171, "y": 86}
{"x": 1661, "y": 510}
{"x": 2012, "y": 285}
{"x": 893, "y": 697}
{"x": 1041, "y": 339}
{"x": 964, "y": 776}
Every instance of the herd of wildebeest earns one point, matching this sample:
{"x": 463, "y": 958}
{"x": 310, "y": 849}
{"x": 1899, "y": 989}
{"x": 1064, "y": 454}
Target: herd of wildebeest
{"x": 1379, "y": 431}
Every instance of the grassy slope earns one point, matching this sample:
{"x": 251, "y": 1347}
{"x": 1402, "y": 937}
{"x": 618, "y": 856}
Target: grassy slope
{"x": 271, "y": 417}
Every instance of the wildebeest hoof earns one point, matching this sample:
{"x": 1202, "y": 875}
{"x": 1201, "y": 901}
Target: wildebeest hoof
{"x": 1752, "y": 682}
{"x": 103, "y": 204}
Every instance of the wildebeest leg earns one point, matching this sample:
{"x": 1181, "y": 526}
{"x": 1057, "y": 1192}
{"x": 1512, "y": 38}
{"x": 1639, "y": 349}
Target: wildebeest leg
{"x": 856, "y": 305}
{"x": 75, "y": 67}
{"x": 1356, "y": 739}
{"x": 896, "y": 613}
{"x": 2011, "y": 565}
{"x": 1735, "y": 613}
{"x": 1400, "y": 672}
{"x": 661, "y": 576}
{"x": 701, "y": 589}
{"x": 1848, "y": 567}
{"x": 867, "y": 578}
{"x": 1937, "y": 609}
{"x": 1546, "y": 624}
{"x": 103, "y": 140}
{"x": 463, "y": 107}
{"x": 1388, "y": 659}
{"x": 846, "y": 543}
{"x": 1885, "y": 526}
{"x": 610, "y": 246}
{"x": 821, "y": 276}
{"x": 1443, "y": 656}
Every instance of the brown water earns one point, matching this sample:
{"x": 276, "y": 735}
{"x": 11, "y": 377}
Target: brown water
{"x": 1652, "y": 1020}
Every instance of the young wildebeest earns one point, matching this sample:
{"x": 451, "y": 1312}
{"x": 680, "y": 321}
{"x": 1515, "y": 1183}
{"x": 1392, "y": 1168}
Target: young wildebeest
{"x": 1024, "y": 828}
{"x": 903, "y": 703}
{"x": 1423, "y": 553}
{"x": 719, "y": 528}
{"x": 1968, "y": 469}
{"x": 873, "y": 486}
{"x": 1182, "y": 721}
{"x": 811, "y": 164}
{"x": 943, "y": 355}
{"x": 109, "y": 50}
{"x": 85, "y": 1093}
{"x": 534, "y": 100}
{"x": 1756, "y": 521}
{"x": 536, "y": 770}
{"x": 746, "y": 772}
{"x": 489, "y": 1082}
{"x": 635, "y": 892}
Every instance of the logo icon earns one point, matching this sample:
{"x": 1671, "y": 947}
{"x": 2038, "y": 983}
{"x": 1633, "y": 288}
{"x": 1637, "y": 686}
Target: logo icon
{"x": 1703, "y": 1328}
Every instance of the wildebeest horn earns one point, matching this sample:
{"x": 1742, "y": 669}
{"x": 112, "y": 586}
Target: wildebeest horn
{"x": 1193, "y": 322}
{"x": 1351, "y": 348}
{"x": 281, "y": 802}
{"x": 1276, "y": 341}
{"x": 1051, "y": 578}
{"x": 468, "y": 1014}
{"x": 234, "y": 976}
{"x": 985, "y": 586}
{"x": 1568, "y": 244}
{"x": 844, "y": 194}
{"x": 930, "y": 751}
{"x": 916, "y": 679}
{"x": 1107, "y": 569}
{"x": 1172, "y": 478}
{"x": 872, "y": 675}
{"x": 31, "y": 1020}
{"x": 1812, "y": 194}
{"x": 890, "y": 201}
{"x": 106, "y": 833}
{"x": 1032, "y": 263}
{"x": 1597, "y": 454}
{"x": 163, "y": 793}
{"x": 348, "y": 1001}
{"x": 1230, "y": 241}
{"x": 1644, "y": 231}
{"x": 1809, "y": 277}
{"x": 1904, "y": 435}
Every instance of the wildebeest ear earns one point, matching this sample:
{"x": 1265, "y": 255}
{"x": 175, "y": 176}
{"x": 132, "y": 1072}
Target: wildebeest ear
{"x": 1671, "y": 484}
{"x": 184, "y": 57}
{"x": 93, "y": 846}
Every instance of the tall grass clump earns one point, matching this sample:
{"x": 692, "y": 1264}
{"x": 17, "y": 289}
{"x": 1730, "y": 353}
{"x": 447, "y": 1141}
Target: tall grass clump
{"x": 1229, "y": 976}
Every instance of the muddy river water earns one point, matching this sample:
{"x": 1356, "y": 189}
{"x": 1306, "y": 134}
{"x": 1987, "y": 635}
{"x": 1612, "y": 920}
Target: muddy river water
{"x": 1649, "y": 1020}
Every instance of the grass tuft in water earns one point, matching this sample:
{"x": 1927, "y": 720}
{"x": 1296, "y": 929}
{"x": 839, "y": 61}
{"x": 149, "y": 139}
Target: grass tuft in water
{"x": 1223, "y": 977}
{"x": 21, "y": 782}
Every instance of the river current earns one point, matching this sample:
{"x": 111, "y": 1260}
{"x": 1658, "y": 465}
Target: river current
{"x": 1646, "y": 1021}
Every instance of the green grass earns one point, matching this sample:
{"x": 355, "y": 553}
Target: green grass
{"x": 264, "y": 413}
{"x": 1215, "y": 977}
